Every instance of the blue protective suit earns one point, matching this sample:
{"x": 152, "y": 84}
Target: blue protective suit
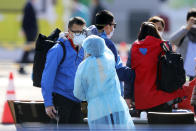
{"x": 96, "y": 82}
{"x": 124, "y": 73}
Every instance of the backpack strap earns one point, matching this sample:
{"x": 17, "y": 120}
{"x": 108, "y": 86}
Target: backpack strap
{"x": 180, "y": 43}
{"x": 64, "y": 51}
{"x": 165, "y": 46}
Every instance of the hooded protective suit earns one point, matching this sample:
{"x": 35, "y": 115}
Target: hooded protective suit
{"x": 97, "y": 83}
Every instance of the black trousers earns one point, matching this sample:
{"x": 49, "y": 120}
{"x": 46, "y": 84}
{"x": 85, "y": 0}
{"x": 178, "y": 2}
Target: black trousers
{"x": 25, "y": 57}
{"x": 69, "y": 112}
{"x": 161, "y": 108}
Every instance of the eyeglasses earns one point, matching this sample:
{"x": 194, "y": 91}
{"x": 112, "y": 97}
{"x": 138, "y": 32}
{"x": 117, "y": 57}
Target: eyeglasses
{"x": 114, "y": 24}
{"x": 77, "y": 33}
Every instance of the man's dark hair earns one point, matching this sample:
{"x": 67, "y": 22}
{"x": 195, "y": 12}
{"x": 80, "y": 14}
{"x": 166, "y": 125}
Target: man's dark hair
{"x": 156, "y": 19}
{"x": 191, "y": 13}
{"x": 148, "y": 28}
{"x": 103, "y": 18}
{"x": 77, "y": 21}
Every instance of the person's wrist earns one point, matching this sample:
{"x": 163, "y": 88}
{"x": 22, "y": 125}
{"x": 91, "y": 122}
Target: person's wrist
{"x": 188, "y": 27}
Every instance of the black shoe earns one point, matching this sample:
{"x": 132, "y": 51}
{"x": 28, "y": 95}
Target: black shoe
{"x": 22, "y": 71}
{"x": 134, "y": 113}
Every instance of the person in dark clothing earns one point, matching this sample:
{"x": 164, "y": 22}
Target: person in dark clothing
{"x": 30, "y": 29}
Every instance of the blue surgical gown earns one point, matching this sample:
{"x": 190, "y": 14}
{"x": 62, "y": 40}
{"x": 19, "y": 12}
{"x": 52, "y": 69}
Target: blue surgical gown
{"x": 97, "y": 83}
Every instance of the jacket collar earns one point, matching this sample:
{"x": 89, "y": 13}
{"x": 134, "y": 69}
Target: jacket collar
{"x": 72, "y": 44}
{"x": 150, "y": 40}
{"x": 103, "y": 34}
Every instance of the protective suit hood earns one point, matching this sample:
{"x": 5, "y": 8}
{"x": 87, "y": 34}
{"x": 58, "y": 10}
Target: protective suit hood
{"x": 94, "y": 45}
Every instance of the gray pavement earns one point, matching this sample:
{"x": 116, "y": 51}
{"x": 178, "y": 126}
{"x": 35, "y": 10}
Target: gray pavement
{"x": 10, "y": 54}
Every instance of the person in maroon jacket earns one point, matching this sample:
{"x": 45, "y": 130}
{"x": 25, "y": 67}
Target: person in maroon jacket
{"x": 144, "y": 59}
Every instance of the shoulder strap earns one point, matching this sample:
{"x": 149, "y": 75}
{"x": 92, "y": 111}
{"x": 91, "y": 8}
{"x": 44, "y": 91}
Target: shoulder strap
{"x": 180, "y": 43}
{"x": 64, "y": 51}
{"x": 165, "y": 47}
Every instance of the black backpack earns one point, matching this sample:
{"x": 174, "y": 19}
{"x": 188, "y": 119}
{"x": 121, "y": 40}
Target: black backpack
{"x": 170, "y": 70}
{"x": 43, "y": 44}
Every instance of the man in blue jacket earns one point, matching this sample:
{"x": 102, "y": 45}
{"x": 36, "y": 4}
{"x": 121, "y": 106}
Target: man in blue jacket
{"x": 105, "y": 25}
{"x": 58, "y": 79}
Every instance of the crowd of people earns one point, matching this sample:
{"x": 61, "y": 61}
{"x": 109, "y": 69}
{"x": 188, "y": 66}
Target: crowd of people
{"x": 93, "y": 71}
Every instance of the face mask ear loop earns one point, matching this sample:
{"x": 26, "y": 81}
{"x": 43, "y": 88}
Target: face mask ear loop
{"x": 111, "y": 33}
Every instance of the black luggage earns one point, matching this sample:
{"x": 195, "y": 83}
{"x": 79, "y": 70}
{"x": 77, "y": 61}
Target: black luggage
{"x": 170, "y": 118}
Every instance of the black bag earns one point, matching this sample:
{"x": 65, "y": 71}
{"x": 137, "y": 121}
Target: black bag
{"x": 170, "y": 70}
{"x": 30, "y": 111}
{"x": 170, "y": 118}
{"x": 43, "y": 44}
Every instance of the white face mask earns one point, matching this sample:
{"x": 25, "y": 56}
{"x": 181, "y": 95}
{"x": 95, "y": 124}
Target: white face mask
{"x": 194, "y": 26}
{"x": 78, "y": 39}
{"x": 111, "y": 34}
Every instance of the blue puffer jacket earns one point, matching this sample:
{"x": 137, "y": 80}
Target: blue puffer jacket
{"x": 60, "y": 78}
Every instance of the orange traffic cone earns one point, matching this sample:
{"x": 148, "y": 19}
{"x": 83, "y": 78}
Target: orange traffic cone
{"x": 10, "y": 95}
